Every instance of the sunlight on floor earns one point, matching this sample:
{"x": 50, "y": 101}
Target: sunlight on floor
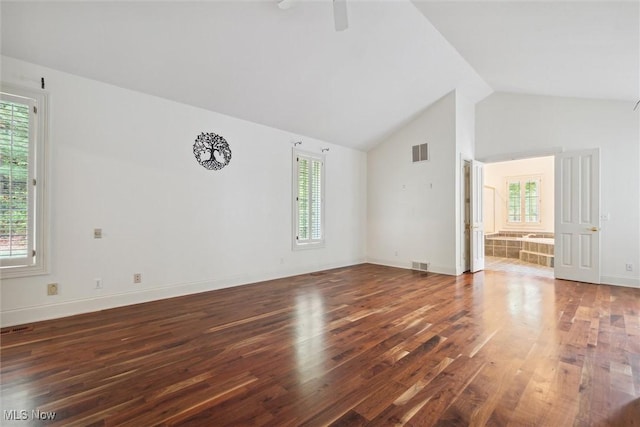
{"x": 515, "y": 265}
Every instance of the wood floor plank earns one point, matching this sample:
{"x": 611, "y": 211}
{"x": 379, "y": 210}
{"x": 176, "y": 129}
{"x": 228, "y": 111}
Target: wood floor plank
{"x": 361, "y": 345}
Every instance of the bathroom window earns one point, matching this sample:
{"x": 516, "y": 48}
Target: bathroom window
{"x": 523, "y": 200}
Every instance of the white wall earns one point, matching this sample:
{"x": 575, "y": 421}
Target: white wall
{"x": 465, "y": 150}
{"x": 496, "y": 174}
{"x": 122, "y": 161}
{"x": 512, "y": 123}
{"x": 411, "y": 205}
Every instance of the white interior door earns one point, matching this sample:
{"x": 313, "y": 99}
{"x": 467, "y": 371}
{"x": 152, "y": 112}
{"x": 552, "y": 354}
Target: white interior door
{"x": 477, "y": 216}
{"x": 577, "y": 216}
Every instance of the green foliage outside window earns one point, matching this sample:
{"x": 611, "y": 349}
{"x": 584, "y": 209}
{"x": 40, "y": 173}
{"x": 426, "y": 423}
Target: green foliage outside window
{"x": 14, "y": 176}
{"x": 524, "y": 201}
{"x": 514, "y": 202}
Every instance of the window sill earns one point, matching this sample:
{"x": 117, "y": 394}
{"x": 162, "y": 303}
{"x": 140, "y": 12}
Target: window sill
{"x": 305, "y": 246}
{"x": 22, "y": 271}
{"x": 523, "y": 226}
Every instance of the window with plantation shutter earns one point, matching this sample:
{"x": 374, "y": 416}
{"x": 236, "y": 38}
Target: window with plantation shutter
{"x": 308, "y": 203}
{"x": 21, "y": 173}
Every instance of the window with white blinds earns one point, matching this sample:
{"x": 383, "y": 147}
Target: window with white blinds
{"x": 21, "y": 170}
{"x": 308, "y": 203}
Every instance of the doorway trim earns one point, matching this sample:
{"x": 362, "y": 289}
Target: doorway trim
{"x": 522, "y": 155}
{"x": 471, "y": 215}
{"x": 553, "y": 151}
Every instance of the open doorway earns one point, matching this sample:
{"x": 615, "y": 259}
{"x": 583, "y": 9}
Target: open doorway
{"x": 519, "y": 216}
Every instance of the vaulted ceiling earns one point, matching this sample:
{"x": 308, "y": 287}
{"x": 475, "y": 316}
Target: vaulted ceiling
{"x": 584, "y": 49}
{"x": 291, "y": 70}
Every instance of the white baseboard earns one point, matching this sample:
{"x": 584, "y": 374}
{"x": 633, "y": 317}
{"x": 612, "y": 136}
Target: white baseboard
{"x": 449, "y": 271}
{"x": 32, "y": 314}
{"x": 407, "y": 266}
{"x": 388, "y": 263}
{"x": 629, "y": 282}
{"x": 24, "y": 315}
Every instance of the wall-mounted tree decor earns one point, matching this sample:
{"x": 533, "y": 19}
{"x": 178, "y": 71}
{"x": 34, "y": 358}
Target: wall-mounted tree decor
{"x": 212, "y": 151}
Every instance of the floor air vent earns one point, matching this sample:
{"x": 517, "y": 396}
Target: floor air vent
{"x": 16, "y": 329}
{"x": 420, "y": 266}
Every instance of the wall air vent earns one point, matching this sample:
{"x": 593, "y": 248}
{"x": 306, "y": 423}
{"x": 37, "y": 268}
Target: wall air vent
{"x": 420, "y": 152}
{"x": 420, "y": 266}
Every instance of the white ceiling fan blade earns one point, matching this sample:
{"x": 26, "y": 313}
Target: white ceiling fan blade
{"x": 340, "y": 15}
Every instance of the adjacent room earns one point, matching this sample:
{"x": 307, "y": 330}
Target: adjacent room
{"x": 518, "y": 209}
{"x": 320, "y": 212}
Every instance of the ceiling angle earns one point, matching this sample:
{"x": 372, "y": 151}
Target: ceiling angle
{"x": 340, "y": 19}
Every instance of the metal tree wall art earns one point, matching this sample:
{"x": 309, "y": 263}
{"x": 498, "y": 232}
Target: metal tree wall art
{"x": 212, "y": 151}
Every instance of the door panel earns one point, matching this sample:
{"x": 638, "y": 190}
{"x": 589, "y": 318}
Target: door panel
{"x": 477, "y": 216}
{"x": 577, "y": 241}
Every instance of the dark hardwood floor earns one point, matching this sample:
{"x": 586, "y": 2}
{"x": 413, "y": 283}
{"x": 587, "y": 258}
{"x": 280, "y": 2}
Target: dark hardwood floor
{"x": 365, "y": 345}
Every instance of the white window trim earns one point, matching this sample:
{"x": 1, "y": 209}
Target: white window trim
{"x": 317, "y": 243}
{"x": 522, "y": 223}
{"x": 41, "y": 214}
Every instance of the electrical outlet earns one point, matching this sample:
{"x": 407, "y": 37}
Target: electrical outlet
{"x": 52, "y": 289}
{"x": 629, "y": 267}
{"x": 97, "y": 233}
{"x": 137, "y": 278}
{"x": 98, "y": 283}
